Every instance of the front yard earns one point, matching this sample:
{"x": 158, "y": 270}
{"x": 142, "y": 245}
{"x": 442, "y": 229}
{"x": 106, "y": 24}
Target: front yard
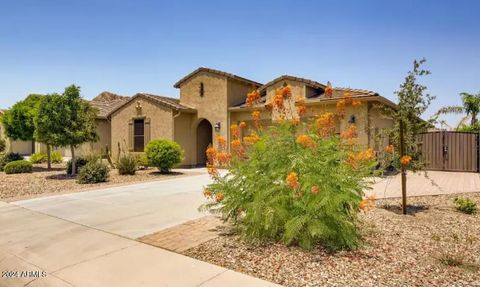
{"x": 435, "y": 245}
{"x": 43, "y": 182}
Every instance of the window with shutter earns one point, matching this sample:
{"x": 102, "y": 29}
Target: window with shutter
{"x": 138, "y": 135}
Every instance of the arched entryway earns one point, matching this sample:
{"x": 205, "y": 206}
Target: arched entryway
{"x": 204, "y": 139}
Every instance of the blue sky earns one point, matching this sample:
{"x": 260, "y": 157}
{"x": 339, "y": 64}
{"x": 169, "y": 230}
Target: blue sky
{"x": 146, "y": 46}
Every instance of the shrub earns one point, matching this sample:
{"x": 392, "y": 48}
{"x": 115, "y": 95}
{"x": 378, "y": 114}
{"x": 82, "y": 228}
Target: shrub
{"x": 12, "y": 156}
{"x": 93, "y": 172}
{"x": 163, "y": 154}
{"x": 465, "y": 205}
{"x": 18, "y": 166}
{"x": 56, "y": 157}
{"x": 142, "y": 161}
{"x": 80, "y": 162}
{"x": 9, "y": 157}
{"x": 3, "y": 145}
{"x": 127, "y": 164}
{"x": 39, "y": 157}
{"x": 298, "y": 183}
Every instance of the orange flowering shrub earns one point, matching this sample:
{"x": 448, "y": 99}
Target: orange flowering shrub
{"x": 325, "y": 124}
{"x": 389, "y": 148}
{"x": 294, "y": 182}
{"x": 341, "y": 107}
{"x": 350, "y": 133}
{"x": 329, "y": 91}
{"x": 234, "y": 131}
{"x": 305, "y": 141}
{"x": 356, "y": 159}
{"x": 253, "y": 98}
{"x": 222, "y": 142}
{"x": 251, "y": 139}
{"x": 300, "y": 105}
{"x": 405, "y": 160}
{"x": 356, "y": 103}
{"x": 367, "y": 203}
{"x": 256, "y": 116}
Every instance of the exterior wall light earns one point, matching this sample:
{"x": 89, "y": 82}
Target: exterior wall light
{"x": 352, "y": 120}
{"x": 217, "y": 127}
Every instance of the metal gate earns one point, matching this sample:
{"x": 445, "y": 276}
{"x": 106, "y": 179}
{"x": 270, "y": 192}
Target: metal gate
{"x": 450, "y": 151}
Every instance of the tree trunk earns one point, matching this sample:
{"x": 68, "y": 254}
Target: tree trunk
{"x": 403, "y": 169}
{"x": 474, "y": 119}
{"x": 49, "y": 157}
{"x": 74, "y": 163}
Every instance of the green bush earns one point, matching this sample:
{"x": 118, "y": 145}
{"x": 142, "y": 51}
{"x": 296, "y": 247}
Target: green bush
{"x": 142, "y": 161}
{"x": 163, "y": 154}
{"x": 12, "y": 156}
{"x": 79, "y": 161}
{"x": 127, "y": 164}
{"x": 56, "y": 157}
{"x": 42, "y": 157}
{"x": 9, "y": 157}
{"x": 465, "y": 205}
{"x": 93, "y": 172}
{"x": 291, "y": 184}
{"x": 39, "y": 157}
{"x": 3, "y": 145}
{"x": 18, "y": 166}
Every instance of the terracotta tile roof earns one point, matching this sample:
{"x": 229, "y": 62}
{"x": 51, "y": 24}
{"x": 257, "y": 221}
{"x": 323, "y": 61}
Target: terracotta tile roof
{"x": 337, "y": 93}
{"x": 354, "y": 92}
{"x": 107, "y": 102}
{"x": 308, "y": 82}
{"x": 217, "y": 72}
{"x": 167, "y": 101}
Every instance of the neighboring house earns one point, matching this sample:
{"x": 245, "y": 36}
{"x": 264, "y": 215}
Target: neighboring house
{"x": 22, "y": 147}
{"x": 210, "y": 101}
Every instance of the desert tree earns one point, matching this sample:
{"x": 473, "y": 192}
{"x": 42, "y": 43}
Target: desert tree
{"x": 66, "y": 120}
{"x": 413, "y": 101}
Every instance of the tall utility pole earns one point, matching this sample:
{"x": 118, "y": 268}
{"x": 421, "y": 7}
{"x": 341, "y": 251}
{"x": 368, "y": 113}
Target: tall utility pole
{"x": 404, "y": 171}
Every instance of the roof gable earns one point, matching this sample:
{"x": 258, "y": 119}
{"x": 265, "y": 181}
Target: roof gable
{"x": 167, "y": 102}
{"x": 107, "y": 103}
{"x": 216, "y": 72}
{"x": 307, "y": 82}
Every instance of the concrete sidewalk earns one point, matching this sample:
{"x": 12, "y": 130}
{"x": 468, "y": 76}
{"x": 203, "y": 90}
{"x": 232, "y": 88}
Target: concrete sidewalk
{"x": 436, "y": 183}
{"x": 72, "y": 254}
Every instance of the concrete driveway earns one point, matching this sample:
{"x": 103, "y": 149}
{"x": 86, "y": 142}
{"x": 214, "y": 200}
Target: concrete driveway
{"x": 131, "y": 211}
{"x": 136, "y": 210}
{"x": 85, "y": 239}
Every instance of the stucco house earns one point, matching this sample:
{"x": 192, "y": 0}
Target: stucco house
{"x": 209, "y": 102}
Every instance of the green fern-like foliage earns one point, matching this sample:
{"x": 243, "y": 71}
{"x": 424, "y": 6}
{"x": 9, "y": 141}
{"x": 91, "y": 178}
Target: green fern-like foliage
{"x": 256, "y": 196}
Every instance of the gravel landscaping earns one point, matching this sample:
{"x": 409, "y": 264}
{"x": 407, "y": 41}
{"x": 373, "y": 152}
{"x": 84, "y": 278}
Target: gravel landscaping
{"x": 435, "y": 245}
{"x": 42, "y": 182}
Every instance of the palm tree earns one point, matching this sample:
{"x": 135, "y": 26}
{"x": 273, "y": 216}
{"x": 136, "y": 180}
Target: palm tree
{"x": 471, "y": 106}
